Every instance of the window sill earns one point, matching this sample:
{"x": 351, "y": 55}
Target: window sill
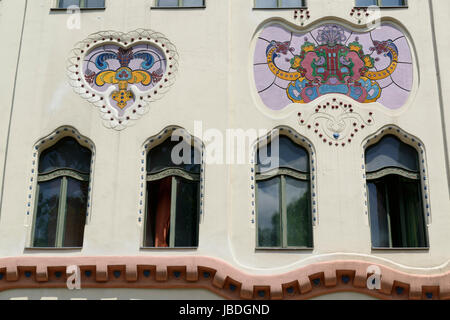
{"x": 168, "y": 248}
{"x": 420, "y": 249}
{"x": 284, "y": 249}
{"x": 179, "y": 8}
{"x": 81, "y": 9}
{"x": 53, "y": 248}
{"x": 385, "y": 7}
{"x": 284, "y": 8}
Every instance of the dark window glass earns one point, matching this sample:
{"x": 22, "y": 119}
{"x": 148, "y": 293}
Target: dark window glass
{"x": 65, "y": 154}
{"x": 279, "y": 3}
{"x": 173, "y": 196}
{"x": 168, "y": 3}
{"x": 366, "y": 3}
{"x": 68, "y": 3}
{"x": 95, "y": 3}
{"x": 378, "y": 214}
{"x": 161, "y": 205}
{"x": 381, "y": 3}
{"x": 266, "y": 3}
{"x": 193, "y": 3}
{"x": 298, "y": 206}
{"x": 392, "y": 3}
{"x": 283, "y": 196}
{"x": 158, "y": 213}
{"x": 82, "y": 3}
{"x": 160, "y": 157}
{"x": 187, "y": 210}
{"x": 75, "y": 212}
{"x": 395, "y": 199}
{"x": 397, "y": 218}
{"x": 289, "y": 155}
{"x": 61, "y": 206}
{"x": 391, "y": 152}
{"x": 47, "y": 213}
{"x": 292, "y": 3}
{"x": 269, "y": 228}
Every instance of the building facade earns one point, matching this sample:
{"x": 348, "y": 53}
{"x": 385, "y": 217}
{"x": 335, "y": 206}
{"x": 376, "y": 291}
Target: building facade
{"x": 357, "y": 207}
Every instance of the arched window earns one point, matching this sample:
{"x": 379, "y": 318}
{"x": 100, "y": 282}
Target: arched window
{"x": 62, "y": 191}
{"x": 283, "y": 197}
{"x": 173, "y": 195}
{"x": 394, "y": 192}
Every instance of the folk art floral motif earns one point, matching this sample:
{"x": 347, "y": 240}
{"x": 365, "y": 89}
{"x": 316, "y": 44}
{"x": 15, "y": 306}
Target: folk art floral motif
{"x": 292, "y": 67}
{"x": 122, "y": 73}
{"x": 113, "y": 66}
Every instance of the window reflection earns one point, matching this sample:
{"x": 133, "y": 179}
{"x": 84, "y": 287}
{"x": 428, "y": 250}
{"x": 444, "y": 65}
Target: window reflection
{"x": 283, "y": 195}
{"x": 62, "y": 193}
{"x": 395, "y": 198}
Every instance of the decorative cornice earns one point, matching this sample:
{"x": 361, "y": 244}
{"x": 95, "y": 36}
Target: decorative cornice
{"x": 220, "y": 277}
{"x": 173, "y": 172}
{"x": 387, "y": 171}
{"x": 61, "y": 173}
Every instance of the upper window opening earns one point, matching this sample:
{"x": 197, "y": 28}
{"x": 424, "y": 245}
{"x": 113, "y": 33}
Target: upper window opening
{"x": 62, "y": 193}
{"x": 283, "y": 197}
{"x": 266, "y": 4}
{"x": 290, "y": 155}
{"x": 180, "y": 3}
{"x": 173, "y": 195}
{"x": 66, "y": 154}
{"x": 395, "y": 197}
{"x": 381, "y": 3}
{"x": 81, "y": 3}
{"x": 160, "y": 157}
{"x": 391, "y": 152}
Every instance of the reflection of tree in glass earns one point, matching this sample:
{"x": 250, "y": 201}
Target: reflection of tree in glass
{"x": 299, "y": 226}
{"x": 160, "y": 157}
{"x": 299, "y": 233}
{"x": 270, "y": 237}
{"x": 46, "y": 215}
{"x": 75, "y": 213}
{"x": 66, "y": 153}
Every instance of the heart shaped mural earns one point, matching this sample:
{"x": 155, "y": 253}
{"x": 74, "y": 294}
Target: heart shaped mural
{"x": 122, "y": 73}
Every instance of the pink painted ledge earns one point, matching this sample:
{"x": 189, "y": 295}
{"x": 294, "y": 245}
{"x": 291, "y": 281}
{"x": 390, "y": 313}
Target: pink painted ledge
{"x": 220, "y": 277}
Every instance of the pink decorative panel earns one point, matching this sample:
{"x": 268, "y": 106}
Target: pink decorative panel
{"x": 299, "y": 67}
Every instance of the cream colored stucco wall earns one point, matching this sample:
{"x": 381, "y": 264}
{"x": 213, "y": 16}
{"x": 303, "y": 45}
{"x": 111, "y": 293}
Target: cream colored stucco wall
{"x": 215, "y": 85}
{"x": 441, "y": 10}
{"x": 11, "y": 20}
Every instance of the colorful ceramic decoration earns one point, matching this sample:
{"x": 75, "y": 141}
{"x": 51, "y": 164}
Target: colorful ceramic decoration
{"x": 122, "y": 73}
{"x": 299, "y": 67}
